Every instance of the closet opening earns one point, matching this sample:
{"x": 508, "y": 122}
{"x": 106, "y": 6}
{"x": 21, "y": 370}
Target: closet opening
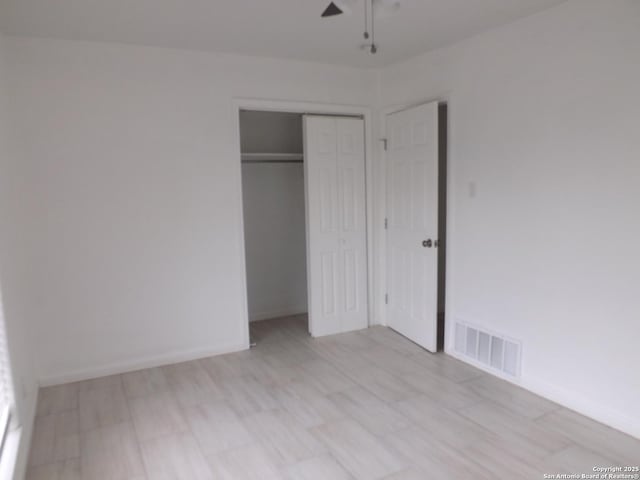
{"x": 304, "y": 197}
{"x": 273, "y": 194}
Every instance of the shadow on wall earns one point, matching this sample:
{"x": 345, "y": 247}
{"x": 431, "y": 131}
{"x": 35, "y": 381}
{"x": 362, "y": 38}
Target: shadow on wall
{"x": 442, "y": 218}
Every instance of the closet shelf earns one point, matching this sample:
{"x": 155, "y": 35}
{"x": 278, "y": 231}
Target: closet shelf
{"x": 272, "y": 157}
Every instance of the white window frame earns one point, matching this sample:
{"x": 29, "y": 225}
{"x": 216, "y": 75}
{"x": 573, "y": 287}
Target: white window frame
{"x": 7, "y": 400}
{"x": 5, "y": 419}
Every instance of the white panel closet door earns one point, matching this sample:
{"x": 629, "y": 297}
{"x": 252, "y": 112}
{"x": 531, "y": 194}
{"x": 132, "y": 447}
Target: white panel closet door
{"x": 412, "y": 256}
{"x": 336, "y": 224}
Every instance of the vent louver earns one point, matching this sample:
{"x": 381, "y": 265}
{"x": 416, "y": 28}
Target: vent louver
{"x": 493, "y": 351}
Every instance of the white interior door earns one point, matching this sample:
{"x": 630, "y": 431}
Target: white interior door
{"x": 336, "y": 224}
{"x": 412, "y": 224}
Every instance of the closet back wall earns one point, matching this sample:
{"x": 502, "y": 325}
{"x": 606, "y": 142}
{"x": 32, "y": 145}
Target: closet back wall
{"x": 274, "y": 216}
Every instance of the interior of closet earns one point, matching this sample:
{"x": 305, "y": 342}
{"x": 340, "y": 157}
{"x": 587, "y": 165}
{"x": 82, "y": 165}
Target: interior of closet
{"x": 273, "y": 189}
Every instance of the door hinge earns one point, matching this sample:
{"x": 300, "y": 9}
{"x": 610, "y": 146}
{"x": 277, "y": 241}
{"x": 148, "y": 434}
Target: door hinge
{"x": 384, "y": 143}
{"x": 386, "y": 299}
{"x": 386, "y": 223}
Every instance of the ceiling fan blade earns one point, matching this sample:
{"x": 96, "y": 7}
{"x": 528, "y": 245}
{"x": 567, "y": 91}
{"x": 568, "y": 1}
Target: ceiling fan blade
{"x": 331, "y": 11}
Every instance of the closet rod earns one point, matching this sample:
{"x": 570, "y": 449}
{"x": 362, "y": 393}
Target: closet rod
{"x": 272, "y": 161}
{"x": 337, "y": 115}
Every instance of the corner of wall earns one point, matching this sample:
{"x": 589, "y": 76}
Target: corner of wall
{"x": 18, "y": 332}
{"x": 378, "y": 100}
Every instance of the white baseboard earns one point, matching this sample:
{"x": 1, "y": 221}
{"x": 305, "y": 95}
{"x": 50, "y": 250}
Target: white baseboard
{"x": 137, "y": 364}
{"x": 285, "y": 312}
{"x": 568, "y": 399}
{"x": 577, "y": 403}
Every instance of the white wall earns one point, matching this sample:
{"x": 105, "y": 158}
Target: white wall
{"x": 14, "y": 287}
{"x": 135, "y": 169}
{"x": 274, "y": 216}
{"x": 544, "y": 120}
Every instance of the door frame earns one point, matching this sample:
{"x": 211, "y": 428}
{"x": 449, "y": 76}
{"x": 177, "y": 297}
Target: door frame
{"x": 303, "y": 107}
{"x": 382, "y": 273}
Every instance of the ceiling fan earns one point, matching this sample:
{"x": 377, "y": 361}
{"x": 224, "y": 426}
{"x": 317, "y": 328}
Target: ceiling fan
{"x": 372, "y": 9}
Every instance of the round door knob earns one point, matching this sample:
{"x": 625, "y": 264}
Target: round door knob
{"x": 427, "y": 243}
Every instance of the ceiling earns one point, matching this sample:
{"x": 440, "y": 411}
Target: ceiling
{"x": 273, "y": 28}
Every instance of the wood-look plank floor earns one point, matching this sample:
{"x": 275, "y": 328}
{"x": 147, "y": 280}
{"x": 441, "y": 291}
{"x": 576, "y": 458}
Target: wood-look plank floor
{"x": 362, "y": 405}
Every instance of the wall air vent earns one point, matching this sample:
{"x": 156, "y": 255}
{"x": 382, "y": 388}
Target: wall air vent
{"x": 493, "y": 351}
